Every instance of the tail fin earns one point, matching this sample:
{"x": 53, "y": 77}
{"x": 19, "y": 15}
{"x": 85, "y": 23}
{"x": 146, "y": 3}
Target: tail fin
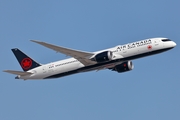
{"x": 25, "y": 61}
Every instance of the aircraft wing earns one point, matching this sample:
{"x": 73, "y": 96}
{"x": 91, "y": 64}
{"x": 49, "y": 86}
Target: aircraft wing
{"x": 18, "y": 72}
{"x": 81, "y": 56}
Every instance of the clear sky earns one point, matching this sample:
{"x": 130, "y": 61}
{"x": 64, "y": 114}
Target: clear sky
{"x": 149, "y": 92}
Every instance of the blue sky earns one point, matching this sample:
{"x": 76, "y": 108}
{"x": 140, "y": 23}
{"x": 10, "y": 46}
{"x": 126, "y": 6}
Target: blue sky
{"x": 150, "y": 91}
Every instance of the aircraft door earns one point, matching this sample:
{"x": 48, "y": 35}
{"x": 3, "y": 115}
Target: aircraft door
{"x": 51, "y": 69}
{"x": 157, "y": 44}
{"x": 44, "y": 69}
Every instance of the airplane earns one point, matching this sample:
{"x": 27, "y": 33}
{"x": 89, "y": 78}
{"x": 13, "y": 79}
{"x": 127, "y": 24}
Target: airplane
{"x": 118, "y": 58}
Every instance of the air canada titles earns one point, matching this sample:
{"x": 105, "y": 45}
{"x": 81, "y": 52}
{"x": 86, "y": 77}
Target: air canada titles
{"x": 134, "y": 45}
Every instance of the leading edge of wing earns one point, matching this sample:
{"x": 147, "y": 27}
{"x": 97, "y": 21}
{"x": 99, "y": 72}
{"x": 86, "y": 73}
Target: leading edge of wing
{"x": 81, "y": 56}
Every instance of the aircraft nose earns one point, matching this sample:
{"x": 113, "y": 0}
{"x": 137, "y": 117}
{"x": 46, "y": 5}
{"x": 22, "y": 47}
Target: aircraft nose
{"x": 174, "y": 44}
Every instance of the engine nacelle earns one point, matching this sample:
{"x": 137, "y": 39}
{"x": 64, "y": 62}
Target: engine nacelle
{"x": 124, "y": 67}
{"x": 103, "y": 57}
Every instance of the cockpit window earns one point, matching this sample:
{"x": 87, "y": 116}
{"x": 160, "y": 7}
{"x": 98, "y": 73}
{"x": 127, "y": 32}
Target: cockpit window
{"x": 165, "y": 40}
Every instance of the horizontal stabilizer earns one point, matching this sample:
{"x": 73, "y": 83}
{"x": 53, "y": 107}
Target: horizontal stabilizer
{"x": 18, "y": 72}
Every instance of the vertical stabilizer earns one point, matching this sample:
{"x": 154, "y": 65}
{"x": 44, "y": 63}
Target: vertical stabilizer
{"x": 25, "y": 61}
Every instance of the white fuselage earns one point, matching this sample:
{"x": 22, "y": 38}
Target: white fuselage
{"x": 121, "y": 53}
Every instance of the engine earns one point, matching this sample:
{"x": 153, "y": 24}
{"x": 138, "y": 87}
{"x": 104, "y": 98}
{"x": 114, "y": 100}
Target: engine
{"x": 103, "y": 57}
{"x": 124, "y": 67}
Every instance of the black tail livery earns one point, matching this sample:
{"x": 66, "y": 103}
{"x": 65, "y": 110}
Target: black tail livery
{"x": 25, "y": 61}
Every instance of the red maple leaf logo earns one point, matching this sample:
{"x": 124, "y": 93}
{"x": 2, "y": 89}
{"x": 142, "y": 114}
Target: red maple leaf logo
{"x": 26, "y": 63}
{"x": 149, "y": 47}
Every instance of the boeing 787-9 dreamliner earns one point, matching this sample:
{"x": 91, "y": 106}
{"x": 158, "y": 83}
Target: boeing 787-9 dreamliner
{"x": 116, "y": 59}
